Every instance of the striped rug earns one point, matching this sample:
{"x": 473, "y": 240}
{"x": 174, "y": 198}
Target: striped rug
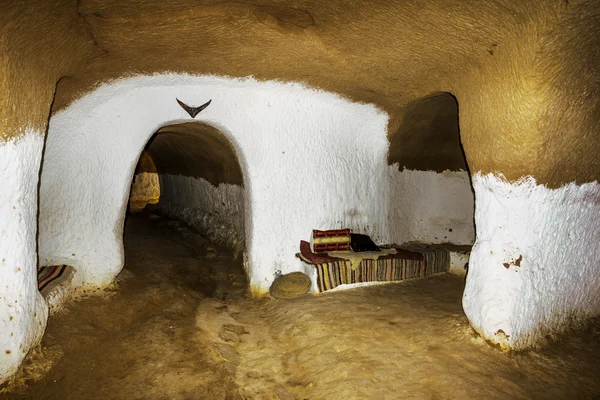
{"x": 52, "y": 276}
{"x": 406, "y": 264}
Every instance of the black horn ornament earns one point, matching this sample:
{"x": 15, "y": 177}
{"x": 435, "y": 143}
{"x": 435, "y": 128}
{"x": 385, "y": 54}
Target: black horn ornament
{"x": 193, "y": 111}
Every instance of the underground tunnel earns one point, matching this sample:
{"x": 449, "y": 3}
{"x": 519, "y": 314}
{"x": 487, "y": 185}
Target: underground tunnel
{"x": 202, "y": 182}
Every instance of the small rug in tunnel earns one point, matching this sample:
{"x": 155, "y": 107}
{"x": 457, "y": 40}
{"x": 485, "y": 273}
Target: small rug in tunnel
{"x": 52, "y": 276}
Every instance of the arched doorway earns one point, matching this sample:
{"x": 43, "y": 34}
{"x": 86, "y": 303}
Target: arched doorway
{"x": 431, "y": 196}
{"x": 201, "y": 181}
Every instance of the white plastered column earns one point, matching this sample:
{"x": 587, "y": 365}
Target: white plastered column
{"x": 23, "y": 311}
{"x": 535, "y": 266}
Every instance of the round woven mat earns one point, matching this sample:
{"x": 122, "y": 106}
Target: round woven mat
{"x": 290, "y": 285}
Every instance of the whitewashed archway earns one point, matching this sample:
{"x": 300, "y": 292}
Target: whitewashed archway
{"x": 310, "y": 159}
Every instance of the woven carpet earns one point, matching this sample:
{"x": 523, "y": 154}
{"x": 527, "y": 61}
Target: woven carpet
{"x": 53, "y": 276}
{"x": 405, "y": 264}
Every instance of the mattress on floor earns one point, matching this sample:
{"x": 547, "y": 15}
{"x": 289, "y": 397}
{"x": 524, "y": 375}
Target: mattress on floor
{"x": 405, "y": 264}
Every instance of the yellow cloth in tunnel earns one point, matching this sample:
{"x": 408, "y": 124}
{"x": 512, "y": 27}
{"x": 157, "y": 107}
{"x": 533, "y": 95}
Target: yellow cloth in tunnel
{"x": 355, "y": 258}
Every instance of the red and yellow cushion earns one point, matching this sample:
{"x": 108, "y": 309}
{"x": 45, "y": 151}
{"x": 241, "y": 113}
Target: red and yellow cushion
{"x": 331, "y": 240}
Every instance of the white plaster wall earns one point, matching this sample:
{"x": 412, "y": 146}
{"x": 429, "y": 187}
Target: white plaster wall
{"x": 458, "y": 259}
{"x": 430, "y": 207}
{"x": 23, "y": 312}
{"x": 216, "y": 211}
{"x": 311, "y": 160}
{"x": 557, "y": 234}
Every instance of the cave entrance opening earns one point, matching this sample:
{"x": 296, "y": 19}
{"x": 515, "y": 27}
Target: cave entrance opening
{"x": 189, "y": 179}
{"x": 438, "y": 202}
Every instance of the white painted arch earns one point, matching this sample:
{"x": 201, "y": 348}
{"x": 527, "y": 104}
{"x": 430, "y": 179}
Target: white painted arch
{"x": 190, "y": 199}
{"x": 93, "y": 146}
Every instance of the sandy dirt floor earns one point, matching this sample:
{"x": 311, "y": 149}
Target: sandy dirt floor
{"x": 178, "y": 324}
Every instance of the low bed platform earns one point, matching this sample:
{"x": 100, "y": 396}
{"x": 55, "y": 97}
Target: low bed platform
{"x": 393, "y": 265}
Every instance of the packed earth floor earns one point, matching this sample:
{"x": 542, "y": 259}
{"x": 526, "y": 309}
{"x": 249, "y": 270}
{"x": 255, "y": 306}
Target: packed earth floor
{"x": 179, "y": 324}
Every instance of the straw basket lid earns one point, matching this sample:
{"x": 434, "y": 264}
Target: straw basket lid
{"x": 290, "y": 285}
